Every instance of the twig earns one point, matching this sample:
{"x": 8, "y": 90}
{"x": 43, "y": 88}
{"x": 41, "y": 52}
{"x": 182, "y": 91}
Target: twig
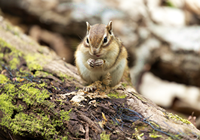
{"x": 10, "y": 136}
{"x": 89, "y": 121}
{"x": 87, "y": 132}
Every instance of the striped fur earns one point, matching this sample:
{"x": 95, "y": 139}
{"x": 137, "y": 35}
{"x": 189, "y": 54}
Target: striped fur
{"x": 112, "y": 52}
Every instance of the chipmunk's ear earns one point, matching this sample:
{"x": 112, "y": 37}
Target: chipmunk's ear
{"x": 109, "y": 27}
{"x": 88, "y": 27}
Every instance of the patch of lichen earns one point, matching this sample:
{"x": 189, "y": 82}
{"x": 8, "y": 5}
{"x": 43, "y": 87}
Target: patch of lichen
{"x": 35, "y": 122}
{"x": 32, "y": 95}
{"x": 155, "y": 134}
{"x": 6, "y": 106}
{"x": 3, "y": 79}
{"x": 13, "y": 55}
{"x": 12, "y": 29}
{"x": 64, "y": 115}
{"x": 41, "y": 119}
{"x": 104, "y": 136}
{"x": 1, "y": 58}
{"x": 189, "y": 131}
{"x": 137, "y": 134}
{"x": 14, "y": 63}
{"x": 3, "y": 43}
{"x": 139, "y": 126}
{"x": 139, "y": 97}
{"x": 34, "y": 61}
{"x": 177, "y": 118}
{"x": 42, "y": 74}
{"x": 27, "y": 92}
{"x": 124, "y": 85}
{"x": 116, "y": 95}
{"x": 65, "y": 77}
{"x": 152, "y": 129}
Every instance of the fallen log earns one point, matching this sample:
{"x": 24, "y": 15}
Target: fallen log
{"x": 41, "y": 97}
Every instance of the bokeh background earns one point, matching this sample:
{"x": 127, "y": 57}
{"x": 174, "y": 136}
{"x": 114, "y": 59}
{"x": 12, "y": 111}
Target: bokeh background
{"x": 162, "y": 38}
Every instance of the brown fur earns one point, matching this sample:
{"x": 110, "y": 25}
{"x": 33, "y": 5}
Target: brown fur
{"x": 112, "y": 52}
{"x": 96, "y": 34}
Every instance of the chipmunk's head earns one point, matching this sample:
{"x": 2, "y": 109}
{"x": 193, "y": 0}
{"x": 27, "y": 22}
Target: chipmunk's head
{"x": 98, "y": 38}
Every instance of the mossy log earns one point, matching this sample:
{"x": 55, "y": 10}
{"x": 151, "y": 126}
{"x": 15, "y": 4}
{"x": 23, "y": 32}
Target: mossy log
{"x": 41, "y": 98}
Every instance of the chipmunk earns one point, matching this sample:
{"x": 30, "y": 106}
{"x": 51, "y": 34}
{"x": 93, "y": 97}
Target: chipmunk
{"x": 100, "y": 53}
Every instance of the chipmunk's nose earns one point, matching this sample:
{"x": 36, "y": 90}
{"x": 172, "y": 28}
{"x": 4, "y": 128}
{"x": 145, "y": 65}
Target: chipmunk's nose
{"x": 94, "y": 52}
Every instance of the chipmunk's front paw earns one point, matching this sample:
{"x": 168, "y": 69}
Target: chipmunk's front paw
{"x": 99, "y": 62}
{"x": 90, "y": 88}
{"x": 91, "y": 62}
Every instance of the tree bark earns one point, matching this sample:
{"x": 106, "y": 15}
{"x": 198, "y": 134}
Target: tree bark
{"x": 60, "y": 109}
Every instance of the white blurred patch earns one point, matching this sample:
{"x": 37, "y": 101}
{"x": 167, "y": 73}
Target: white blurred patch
{"x": 163, "y": 92}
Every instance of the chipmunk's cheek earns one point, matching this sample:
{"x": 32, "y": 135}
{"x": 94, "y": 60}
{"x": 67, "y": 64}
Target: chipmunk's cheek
{"x": 90, "y": 52}
{"x": 104, "y": 53}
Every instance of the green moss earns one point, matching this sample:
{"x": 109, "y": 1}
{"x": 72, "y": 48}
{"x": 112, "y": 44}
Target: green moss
{"x": 155, "y": 136}
{"x": 154, "y": 124}
{"x": 23, "y": 73}
{"x": 6, "y": 106}
{"x": 124, "y": 84}
{"x": 139, "y": 97}
{"x": 1, "y": 55}
{"x": 42, "y": 74}
{"x": 113, "y": 123}
{"x": 28, "y": 92}
{"x": 33, "y": 61}
{"x": 116, "y": 95}
{"x": 7, "y": 109}
{"x": 177, "y": 118}
{"x": 33, "y": 123}
{"x": 9, "y": 89}
{"x": 13, "y": 63}
{"x": 12, "y": 29}
{"x": 3, "y": 43}
{"x": 65, "y": 76}
{"x": 3, "y": 79}
{"x": 140, "y": 127}
{"x": 14, "y": 54}
{"x": 137, "y": 135}
{"x": 39, "y": 123}
{"x": 65, "y": 138}
{"x": 104, "y": 136}
{"x": 32, "y": 95}
{"x": 64, "y": 115}
{"x": 54, "y": 87}
{"x": 20, "y": 108}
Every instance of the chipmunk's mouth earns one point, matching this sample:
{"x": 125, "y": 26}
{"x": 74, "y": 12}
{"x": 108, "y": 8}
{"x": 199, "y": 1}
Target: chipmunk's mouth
{"x": 98, "y": 55}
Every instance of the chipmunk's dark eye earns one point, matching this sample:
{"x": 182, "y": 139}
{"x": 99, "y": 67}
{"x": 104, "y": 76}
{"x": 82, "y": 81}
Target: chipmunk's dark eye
{"x": 105, "y": 40}
{"x": 87, "y": 41}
